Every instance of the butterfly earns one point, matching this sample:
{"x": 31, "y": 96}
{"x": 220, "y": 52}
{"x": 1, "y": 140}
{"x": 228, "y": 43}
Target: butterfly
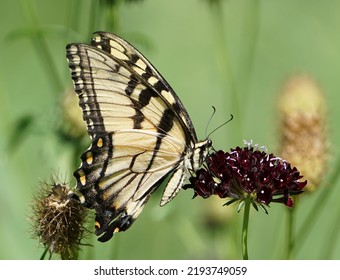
{"x": 139, "y": 128}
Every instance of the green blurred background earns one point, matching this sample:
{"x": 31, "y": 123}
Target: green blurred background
{"x": 210, "y": 52}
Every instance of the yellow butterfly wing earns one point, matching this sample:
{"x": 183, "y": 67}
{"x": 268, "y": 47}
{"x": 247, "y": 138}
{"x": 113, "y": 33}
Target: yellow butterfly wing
{"x": 139, "y": 128}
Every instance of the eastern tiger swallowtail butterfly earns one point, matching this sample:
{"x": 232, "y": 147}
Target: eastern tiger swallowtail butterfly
{"x": 139, "y": 128}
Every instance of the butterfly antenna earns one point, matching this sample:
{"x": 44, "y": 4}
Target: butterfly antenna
{"x": 206, "y": 128}
{"x": 231, "y": 118}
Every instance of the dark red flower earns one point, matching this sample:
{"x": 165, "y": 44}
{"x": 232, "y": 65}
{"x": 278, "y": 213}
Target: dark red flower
{"x": 248, "y": 173}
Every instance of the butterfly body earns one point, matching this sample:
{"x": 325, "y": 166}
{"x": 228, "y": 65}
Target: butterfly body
{"x": 139, "y": 128}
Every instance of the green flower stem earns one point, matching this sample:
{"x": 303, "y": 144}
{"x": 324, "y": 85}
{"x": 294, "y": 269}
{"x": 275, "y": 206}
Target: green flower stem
{"x": 290, "y": 239}
{"x": 44, "y": 254}
{"x": 245, "y": 228}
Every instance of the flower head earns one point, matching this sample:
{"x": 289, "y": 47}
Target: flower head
{"x": 248, "y": 173}
{"x": 58, "y": 220}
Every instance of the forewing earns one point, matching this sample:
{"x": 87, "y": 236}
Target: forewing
{"x": 147, "y": 74}
{"x": 119, "y": 88}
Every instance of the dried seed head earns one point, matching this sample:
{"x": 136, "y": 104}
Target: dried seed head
{"x": 303, "y": 117}
{"x": 58, "y": 220}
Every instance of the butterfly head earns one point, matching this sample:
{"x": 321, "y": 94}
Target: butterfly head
{"x": 200, "y": 152}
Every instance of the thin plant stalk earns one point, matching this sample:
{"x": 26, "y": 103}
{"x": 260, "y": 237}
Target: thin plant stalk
{"x": 44, "y": 254}
{"x": 290, "y": 230}
{"x": 245, "y": 229}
